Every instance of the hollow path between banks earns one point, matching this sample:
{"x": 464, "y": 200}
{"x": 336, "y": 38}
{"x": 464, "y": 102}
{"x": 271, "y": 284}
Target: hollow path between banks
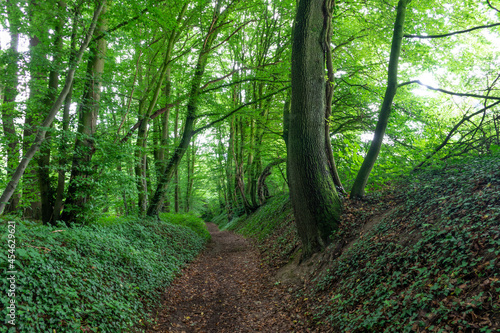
{"x": 228, "y": 289}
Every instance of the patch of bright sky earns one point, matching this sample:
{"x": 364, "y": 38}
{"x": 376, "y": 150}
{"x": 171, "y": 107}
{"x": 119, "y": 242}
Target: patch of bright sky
{"x": 426, "y": 78}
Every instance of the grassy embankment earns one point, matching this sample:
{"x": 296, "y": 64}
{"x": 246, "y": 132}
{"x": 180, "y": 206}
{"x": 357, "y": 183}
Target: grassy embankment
{"x": 98, "y": 278}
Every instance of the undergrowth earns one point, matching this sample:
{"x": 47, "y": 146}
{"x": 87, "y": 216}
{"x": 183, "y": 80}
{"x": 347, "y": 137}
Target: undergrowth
{"x": 189, "y": 220}
{"x": 97, "y": 278}
{"x": 432, "y": 265}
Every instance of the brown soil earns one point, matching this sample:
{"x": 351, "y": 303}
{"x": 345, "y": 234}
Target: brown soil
{"x": 228, "y": 289}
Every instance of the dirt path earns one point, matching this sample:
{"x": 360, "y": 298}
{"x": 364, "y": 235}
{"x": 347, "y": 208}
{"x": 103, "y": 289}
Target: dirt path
{"x": 227, "y": 289}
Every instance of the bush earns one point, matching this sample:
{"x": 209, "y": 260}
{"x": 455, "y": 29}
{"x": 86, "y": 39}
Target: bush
{"x": 92, "y": 278}
{"x": 188, "y": 220}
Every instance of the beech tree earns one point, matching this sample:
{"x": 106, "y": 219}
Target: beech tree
{"x": 315, "y": 201}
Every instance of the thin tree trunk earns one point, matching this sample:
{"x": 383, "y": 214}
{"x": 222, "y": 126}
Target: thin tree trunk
{"x": 329, "y": 97}
{"x": 231, "y": 186}
{"x": 63, "y": 150}
{"x": 7, "y": 107}
{"x": 191, "y": 160}
{"x": 31, "y": 196}
{"x": 358, "y": 188}
{"x": 12, "y": 185}
{"x": 140, "y": 162}
{"x": 176, "y": 171}
{"x": 46, "y": 190}
{"x": 164, "y": 142}
{"x": 142, "y": 133}
{"x": 262, "y": 190}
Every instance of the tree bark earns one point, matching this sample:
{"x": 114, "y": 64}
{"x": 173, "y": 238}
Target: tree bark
{"x": 31, "y": 196}
{"x": 80, "y": 183}
{"x": 190, "y": 177}
{"x": 329, "y": 96}
{"x": 314, "y": 199}
{"x": 262, "y": 190}
{"x": 358, "y": 188}
{"x": 176, "y": 171}
{"x": 141, "y": 144}
{"x": 64, "y": 146}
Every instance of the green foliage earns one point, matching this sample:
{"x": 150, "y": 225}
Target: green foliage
{"x": 95, "y": 278}
{"x": 189, "y": 220}
{"x": 261, "y": 223}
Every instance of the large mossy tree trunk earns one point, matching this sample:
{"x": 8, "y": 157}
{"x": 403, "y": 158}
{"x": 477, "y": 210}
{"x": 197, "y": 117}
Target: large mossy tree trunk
{"x": 358, "y": 188}
{"x": 315, "y": 202}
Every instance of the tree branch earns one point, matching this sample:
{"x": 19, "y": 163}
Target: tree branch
{"x": 124, "y": 23}
{"x": 448, "y": 92}
{"x": 453, "y": 33}
{"x": 491, "y": 6}
{"x": 196, "y": 131}
{"x": 452, "y": 132}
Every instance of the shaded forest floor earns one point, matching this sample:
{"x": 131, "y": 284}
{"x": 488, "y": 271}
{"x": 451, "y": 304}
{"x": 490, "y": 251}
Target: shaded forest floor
{"x": 227, "y": 289}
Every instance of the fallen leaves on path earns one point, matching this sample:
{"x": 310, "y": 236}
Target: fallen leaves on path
{"x": 227, "y": 289}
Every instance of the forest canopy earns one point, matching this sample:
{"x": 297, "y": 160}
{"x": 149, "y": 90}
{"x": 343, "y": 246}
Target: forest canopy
{"x": 143, "y": 107}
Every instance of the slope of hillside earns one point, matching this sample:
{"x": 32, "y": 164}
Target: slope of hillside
{"x": 97, "y": 278}
{"x": 422, "y": 258}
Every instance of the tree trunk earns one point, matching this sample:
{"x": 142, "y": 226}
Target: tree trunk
{"x": 31, "y": 196}
{"x": 358, "y": 188}
{"x": 46, "y": 190}
{"x": 239, "y": 165}
{"x": 314, "y": 199}
{"x": 262, "y": 190}
{"x": 80, "y": 183}
{"x": 140, "y": 161}
{"x": 12, "y": 185}
{"x": 64, "y": 146}
{"x": 190, "y": 177}
{"x": 230, "y": 176}
{"x": 7, "y": 107}
{"x": 329, "y": 97}
{"x": 176, "y": 171}
{"x": 163, "y": 151}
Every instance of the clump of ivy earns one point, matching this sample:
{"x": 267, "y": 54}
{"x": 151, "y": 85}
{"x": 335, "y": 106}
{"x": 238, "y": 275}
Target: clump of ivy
{"x": 96, "y": 278}
{"x": 189, "y": 220}
{"x": 431, "y": 265}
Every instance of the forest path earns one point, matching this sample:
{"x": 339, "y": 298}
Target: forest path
{"x": 227, "y": 289}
